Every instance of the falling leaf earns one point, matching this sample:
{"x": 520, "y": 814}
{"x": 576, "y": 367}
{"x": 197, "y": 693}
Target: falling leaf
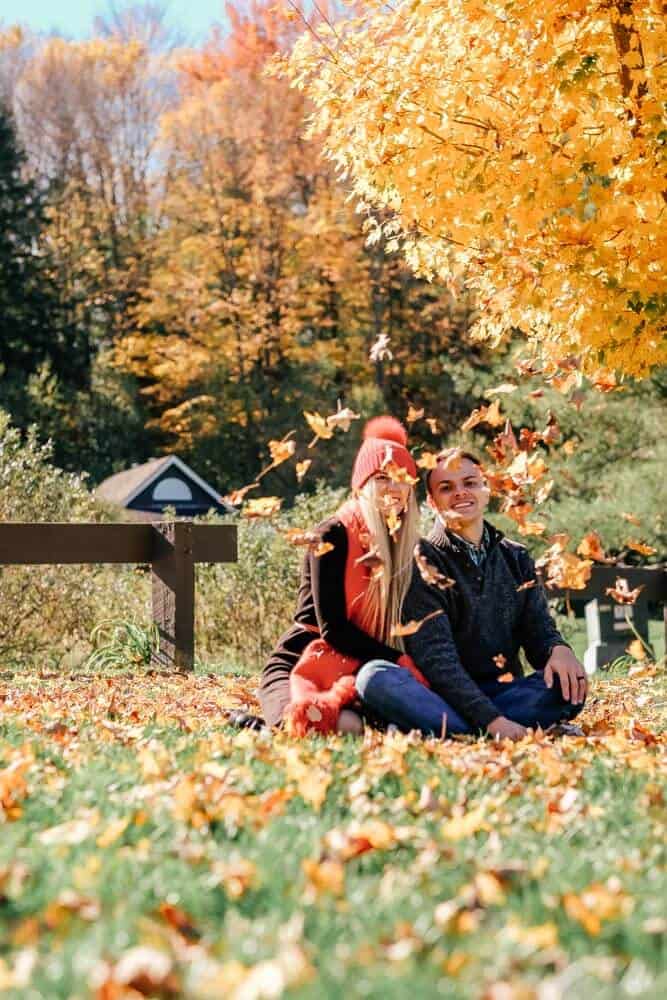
{"x": 621, "y": 592}
{"x": 342, "y": 418}
{"x": 380, "y": 350}
{"x": 526, "y": 586}
{"x": 308, "y": 538}
{"x": 302, "y": 468}
{"x": 281, "y": 451}
{"x": 236, "y": 497}
{"x": 398, "y": 474}
{"x": 319, "y": 427}
{"x": 373, "y": 561}
{"x": 500, "y": 661}
{"x": 412, "y": 627}
{"x": 262, "y": 507}
{"x": 641, "y": 547}
{"x": 427, "y": 460}
{"x": 636, "y": 650}
{"x": 504, "y": 387}
{"x": 506, "y": 678}
{"x": 590, "y": 547}
{"x": 476, "y": 417}
{"x": 532, "y": 528}
{"x": 433, "y": 425}
{"x": 430, "y": 575}
{"x": 605, "y": 381}
{"x": 393, "y": 522}
{"x": 414, "y": 414}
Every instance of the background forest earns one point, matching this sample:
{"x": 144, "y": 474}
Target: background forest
{"x": 182, "y": 271}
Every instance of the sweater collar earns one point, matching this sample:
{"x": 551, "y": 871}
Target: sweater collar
{"x": 443, "y": 538}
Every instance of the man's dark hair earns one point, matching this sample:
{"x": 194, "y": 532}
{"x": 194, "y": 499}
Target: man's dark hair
{"x": 445, "y": 455}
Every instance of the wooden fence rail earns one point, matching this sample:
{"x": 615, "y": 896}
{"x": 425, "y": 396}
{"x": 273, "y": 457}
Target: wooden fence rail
{"x": 170, "y": 547}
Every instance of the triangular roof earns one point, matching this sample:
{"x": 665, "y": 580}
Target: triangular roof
{"x": 123, "y": 487}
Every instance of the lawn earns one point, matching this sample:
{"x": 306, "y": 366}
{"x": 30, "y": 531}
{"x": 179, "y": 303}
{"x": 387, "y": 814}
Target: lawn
{"x": 146, "y": 849}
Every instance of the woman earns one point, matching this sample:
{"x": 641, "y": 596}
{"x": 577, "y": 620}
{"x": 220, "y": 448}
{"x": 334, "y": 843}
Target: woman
{"x": 350, "y": 597}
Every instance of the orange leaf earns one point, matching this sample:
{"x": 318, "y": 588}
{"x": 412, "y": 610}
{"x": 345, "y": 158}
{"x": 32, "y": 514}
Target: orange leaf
{"x": 262, "y": 507}
{"x": 621, "y": 592}
{"x": 506, "y": 678}
{"x": 302, "y": 468}
{"x": 641, "y": 547}
{"x": 411, "y": 627}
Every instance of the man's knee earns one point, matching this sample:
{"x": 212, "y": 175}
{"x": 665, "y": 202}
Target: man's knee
{"x": 555, "y": 695}
{"x": 371, "y": 677}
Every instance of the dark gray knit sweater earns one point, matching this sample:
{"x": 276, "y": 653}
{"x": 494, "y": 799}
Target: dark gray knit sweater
{"x": 485, "y": 615}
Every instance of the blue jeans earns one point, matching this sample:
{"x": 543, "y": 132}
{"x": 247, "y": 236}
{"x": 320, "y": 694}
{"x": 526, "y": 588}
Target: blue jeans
{"x": 394, "y": 695}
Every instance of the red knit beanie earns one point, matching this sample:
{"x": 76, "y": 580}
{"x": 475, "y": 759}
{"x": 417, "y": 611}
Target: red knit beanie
{"x": 385, "y": 440}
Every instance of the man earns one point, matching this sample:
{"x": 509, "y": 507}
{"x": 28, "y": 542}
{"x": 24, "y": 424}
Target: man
{"x": 476, "y": 596}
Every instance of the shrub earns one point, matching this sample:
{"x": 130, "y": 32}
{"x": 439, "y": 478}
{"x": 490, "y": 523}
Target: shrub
{"x": 49, "y": 611}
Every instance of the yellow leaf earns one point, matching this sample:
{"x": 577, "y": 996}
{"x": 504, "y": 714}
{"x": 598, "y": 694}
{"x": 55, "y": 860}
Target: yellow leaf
{"x": 113, "y": 832}
{"x": 262, "y": 507}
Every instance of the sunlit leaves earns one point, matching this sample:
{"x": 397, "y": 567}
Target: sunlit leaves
{"x": 523, "y": 155}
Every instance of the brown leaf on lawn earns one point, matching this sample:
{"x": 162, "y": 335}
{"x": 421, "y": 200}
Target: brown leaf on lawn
{"x": 551, "y": 432}
{"x": 641, "y": 547}
{"x": 430, "y": 575}
{"x": 632, "y": 518}
{"x": 327, "y": 876}
{"x": 412, "y": 627}
{"x": 622, "y": 593}
{"x": 179, "y": 920}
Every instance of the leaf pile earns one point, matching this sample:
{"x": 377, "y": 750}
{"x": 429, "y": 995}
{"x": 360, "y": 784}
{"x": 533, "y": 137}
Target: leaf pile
{"x": 147, "y": 849}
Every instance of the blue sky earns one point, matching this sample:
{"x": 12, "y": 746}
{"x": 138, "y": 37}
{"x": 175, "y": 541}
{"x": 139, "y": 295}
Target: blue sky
{"x": 73, "y": 18}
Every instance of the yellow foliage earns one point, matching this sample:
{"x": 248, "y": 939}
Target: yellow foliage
{"x": 518, "y": 149}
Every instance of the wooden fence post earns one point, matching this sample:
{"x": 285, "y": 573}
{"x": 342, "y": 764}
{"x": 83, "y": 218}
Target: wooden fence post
{"x": 173, "y": 577}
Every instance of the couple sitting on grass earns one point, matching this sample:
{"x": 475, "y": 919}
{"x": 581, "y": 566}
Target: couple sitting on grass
{"x": 422, "y": 634}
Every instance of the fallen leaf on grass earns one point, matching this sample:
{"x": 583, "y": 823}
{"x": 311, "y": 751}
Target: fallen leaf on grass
{"x": 327, "y": 876}
{"x": 464, "y": 825}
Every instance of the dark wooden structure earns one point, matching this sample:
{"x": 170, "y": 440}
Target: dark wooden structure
{"x": 171, "y": 548}
{"x": 607, "y": 627}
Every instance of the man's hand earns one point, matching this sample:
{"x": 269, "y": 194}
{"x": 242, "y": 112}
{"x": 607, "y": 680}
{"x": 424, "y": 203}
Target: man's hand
{"x": 505, "y": 729}
{"x": 572, "y": 676}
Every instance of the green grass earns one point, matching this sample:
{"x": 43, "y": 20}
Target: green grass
{"x": 202, "y": 801}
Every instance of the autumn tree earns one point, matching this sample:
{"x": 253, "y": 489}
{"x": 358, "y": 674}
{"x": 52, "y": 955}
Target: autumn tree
{"x": 263, "y": 295}
{"x": 518, "y": 148}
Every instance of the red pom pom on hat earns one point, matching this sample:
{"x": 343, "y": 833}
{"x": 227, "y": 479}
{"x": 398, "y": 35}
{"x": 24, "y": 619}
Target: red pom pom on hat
{"x": 387, "y": 428}
{"x": 385, "y": 438}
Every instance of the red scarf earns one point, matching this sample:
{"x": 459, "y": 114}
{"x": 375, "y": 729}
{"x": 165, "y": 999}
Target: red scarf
{"x": 322, "y": 681}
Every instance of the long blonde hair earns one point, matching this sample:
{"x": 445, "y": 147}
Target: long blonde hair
{"x": 383, "y": 602}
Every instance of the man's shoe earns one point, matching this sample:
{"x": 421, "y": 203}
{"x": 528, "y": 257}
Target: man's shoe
{"x": 243, "y": 720}
{"x": 566, "y": 729}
